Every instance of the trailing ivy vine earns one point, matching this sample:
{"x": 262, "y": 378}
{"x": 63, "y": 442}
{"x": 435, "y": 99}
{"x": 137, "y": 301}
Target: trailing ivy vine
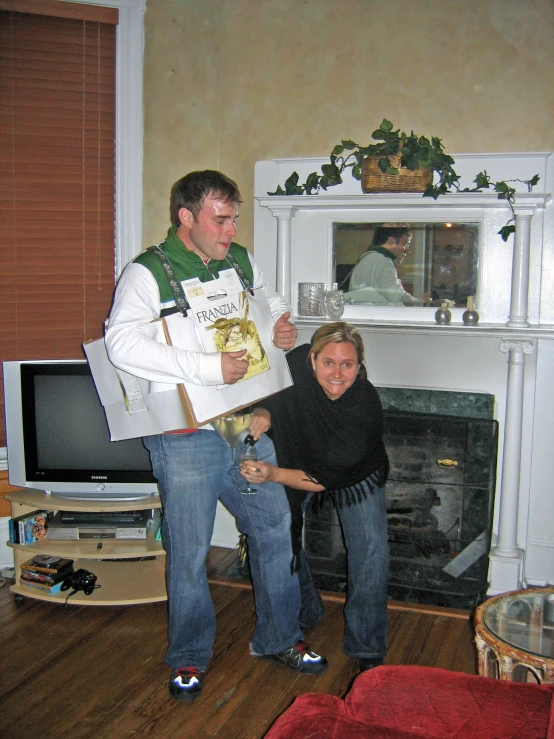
{"x": 415, "y": 152}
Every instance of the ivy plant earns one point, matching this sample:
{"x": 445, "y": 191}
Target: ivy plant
{"x": 415, "y": 152}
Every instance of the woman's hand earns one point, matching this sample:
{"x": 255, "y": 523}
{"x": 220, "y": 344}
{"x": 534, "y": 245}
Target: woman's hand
{"x": 260, "y": 422}
{"x": 258, "y": 471}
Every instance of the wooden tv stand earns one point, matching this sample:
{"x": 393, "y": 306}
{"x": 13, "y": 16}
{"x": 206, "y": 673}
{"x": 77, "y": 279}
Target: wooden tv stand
{"x": 129, "y": 571}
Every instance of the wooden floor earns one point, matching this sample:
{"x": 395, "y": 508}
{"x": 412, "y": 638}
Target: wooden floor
{"x": 98, "y": 671}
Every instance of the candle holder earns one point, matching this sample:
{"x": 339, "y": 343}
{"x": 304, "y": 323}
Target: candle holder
{"x": 443, "y": 316}
{"x": 470, "y": 317}
{"x": 311, "y": 298}
{"x": 334, "y": 302}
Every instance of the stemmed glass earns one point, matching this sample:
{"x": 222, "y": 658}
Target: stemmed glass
{"x": 247, "y": 453}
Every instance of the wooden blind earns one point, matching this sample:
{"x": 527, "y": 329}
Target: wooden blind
{"x": 57, "y": 179}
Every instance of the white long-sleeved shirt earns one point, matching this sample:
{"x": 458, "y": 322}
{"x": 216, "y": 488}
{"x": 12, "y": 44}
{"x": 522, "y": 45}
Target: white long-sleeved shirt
{"x": 374, "y": 279}
{"x": 129, "y": 337}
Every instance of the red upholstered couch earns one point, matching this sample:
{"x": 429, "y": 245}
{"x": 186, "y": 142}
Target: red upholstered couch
{"x": 404, "y": 702}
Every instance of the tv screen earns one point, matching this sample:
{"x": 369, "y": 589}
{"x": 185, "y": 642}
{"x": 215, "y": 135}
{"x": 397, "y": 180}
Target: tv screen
{"x": 58, "y": 438}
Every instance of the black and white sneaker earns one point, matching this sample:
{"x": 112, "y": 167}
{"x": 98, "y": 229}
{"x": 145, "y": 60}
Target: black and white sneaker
{"x": 185, "y": 684}
{"x": 300, "y": 659}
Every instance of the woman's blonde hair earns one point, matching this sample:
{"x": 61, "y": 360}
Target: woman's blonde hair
{"x": 338, "y": 333}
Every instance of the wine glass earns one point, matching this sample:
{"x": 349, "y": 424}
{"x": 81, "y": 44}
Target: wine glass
{"x": 247, "y": 453}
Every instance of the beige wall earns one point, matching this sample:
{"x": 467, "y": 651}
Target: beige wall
{"x": 231, "y": 82}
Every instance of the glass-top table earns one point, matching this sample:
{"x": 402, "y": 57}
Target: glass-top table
{"x": 514, "y": 635}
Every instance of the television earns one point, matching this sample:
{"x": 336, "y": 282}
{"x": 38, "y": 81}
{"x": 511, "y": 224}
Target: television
{"x": 58, "y": 438}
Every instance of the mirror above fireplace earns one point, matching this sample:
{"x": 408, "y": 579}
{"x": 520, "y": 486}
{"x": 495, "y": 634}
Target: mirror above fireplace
{"x": 437, "y": 261}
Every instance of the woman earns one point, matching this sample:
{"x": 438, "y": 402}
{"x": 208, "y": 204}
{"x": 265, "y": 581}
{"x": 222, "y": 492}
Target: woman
{"x": 328, "y": 434}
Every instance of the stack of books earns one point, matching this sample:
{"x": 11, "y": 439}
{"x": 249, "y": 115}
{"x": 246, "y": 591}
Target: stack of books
{"x": 30, "y": 527}
{"x": 46, "y": 573}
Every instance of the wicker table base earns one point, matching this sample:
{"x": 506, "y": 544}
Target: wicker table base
{"x": 514, "y": 639}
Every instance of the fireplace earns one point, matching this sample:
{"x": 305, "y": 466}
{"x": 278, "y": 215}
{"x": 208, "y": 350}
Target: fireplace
{"x": 509, "y": 355}
{"x": 440, "y": 499}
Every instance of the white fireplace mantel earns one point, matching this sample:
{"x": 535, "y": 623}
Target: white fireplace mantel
{"x": 483, "y": 207}
{"x": 509, "y": 354}
{"x": 297, "y": 231}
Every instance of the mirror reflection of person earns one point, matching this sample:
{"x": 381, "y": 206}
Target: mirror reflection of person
{"x": 374, "y": 279}
{"x": 328, "y": 435}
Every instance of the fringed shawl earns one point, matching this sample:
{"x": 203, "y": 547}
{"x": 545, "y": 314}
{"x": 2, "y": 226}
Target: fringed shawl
{"x": 338, "y": 443}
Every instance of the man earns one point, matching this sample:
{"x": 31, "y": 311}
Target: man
{"x": 374, "y": 278}
{"x": 195, "y": 468}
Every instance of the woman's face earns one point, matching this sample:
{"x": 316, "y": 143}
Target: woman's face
{"x": 336, "y": 367}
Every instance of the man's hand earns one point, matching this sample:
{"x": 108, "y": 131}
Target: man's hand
{"x": 284, "y": 333}
{"x": 233, "y": 367}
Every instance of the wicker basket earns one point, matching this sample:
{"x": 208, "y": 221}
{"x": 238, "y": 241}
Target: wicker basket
{"x": 407, "y": 180}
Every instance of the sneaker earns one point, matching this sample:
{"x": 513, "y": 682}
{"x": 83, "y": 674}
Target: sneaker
{"x": 185, "y": 684}
{"x": 300, "y": 659}
{"x": 369, "y": 663}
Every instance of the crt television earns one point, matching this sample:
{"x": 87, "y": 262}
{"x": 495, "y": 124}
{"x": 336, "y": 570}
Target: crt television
{"x": 58, "y": 438}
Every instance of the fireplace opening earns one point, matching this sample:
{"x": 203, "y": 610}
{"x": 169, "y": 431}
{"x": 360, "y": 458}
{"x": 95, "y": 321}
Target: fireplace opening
{"x": 440, "y": 498}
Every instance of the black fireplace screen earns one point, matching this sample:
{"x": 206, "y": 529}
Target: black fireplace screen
{"x": 440, "y": 497}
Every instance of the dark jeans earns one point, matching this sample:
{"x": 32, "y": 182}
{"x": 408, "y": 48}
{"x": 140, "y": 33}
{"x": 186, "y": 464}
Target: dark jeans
{"x": 194, "y": 471}
{"x": 364, "y": 526}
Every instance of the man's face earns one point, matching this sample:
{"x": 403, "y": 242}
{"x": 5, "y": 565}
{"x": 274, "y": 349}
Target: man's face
{"x": 401, "y": 248}
{"x": 212, "y": 232}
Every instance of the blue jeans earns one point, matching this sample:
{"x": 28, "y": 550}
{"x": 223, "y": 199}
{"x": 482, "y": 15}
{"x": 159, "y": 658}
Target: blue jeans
{"x": 364, "y": 527}
{"x": 194, "y": 470}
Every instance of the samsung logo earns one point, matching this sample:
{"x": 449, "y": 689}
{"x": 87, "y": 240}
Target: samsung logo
{"x": 98, "y": 477}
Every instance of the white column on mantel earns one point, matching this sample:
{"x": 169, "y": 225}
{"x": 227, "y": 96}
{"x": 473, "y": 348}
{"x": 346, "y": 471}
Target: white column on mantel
{"x": 520, "y": 270}
{"x": 283, "y": 214}
{"x": 506, "y": 557}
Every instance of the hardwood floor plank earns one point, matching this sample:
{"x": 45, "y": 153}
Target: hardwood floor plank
{"x": 92, "y": 671}
{"x": 97, "y": 672}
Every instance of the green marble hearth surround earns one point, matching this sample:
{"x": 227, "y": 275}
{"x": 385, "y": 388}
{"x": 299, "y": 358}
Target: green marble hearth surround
{"x": 441, "y": 402}
{"x": 434, "y": 513}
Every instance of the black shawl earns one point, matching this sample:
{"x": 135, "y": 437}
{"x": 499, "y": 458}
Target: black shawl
{"x": 338, "y": 443}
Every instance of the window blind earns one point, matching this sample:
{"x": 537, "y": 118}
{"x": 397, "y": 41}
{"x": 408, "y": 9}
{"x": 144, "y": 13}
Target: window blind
{"x": 57, "y": 177}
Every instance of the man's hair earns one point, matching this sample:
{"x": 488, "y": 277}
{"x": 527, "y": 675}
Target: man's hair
{"x": 384, "y": 233}
{"x": 191, "y": 190}
{"x": 339, "y": 333}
